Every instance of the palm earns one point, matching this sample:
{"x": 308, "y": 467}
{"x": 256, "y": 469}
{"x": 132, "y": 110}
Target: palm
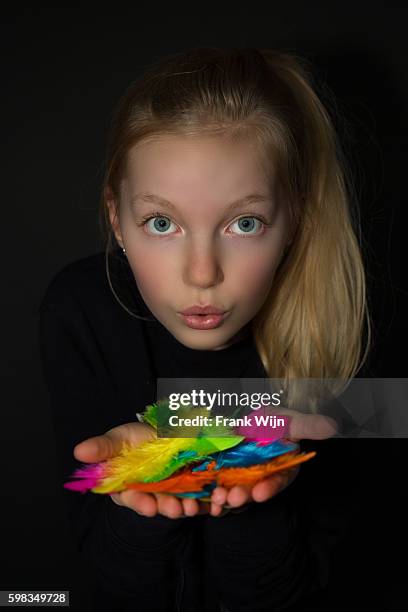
{"x": 103, "y": 447}
{"x": 301, "y": 426}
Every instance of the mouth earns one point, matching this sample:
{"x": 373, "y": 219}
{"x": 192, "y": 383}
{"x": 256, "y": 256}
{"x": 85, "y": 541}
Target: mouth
{"x": 203, "y": 310}
{"x": 203, "y": 321}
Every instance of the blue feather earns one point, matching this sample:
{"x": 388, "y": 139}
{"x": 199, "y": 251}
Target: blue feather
{"x": 248, "y": 453}
{"x": 206, "y": 492}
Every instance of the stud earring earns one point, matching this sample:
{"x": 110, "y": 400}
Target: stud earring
{"x": 124, "y": 250}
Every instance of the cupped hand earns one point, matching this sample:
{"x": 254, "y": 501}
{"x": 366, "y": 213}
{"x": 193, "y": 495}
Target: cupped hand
{"x": 301, "y": 426}
{"x": 103, "y": 447}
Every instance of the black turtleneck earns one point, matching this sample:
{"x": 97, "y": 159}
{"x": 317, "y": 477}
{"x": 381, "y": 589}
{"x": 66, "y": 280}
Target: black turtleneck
{"x": 172, "y": 359}
{"x": 100, "y": 365}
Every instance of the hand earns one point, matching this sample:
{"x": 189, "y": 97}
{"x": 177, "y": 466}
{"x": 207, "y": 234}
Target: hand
{"x": 301, "y": 426}
{"x": 103, "y": 447}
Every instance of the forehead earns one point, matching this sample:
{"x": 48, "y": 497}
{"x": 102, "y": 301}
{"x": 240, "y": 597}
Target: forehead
{"x": 223, "y": 163}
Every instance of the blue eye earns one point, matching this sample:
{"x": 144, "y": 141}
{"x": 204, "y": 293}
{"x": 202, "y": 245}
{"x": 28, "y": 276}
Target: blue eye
{"x": 162, "y": 223}
{"x": 247, "y": 224}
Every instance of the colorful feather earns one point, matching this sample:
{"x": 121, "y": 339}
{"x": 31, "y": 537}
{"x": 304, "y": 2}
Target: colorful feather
{"x": 152, "y": 460}
{"x": 188, "y": 466}
{"x": 190, "y": 483}
{"x": 250, "y": 453}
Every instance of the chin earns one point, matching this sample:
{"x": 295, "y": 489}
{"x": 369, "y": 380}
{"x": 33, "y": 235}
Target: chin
{"x": 203, "y": 343}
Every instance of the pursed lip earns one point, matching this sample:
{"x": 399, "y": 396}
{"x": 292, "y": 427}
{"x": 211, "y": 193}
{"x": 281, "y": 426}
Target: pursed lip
{"x": 202, "y": 310}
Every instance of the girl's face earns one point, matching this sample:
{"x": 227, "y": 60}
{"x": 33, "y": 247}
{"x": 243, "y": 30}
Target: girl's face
{"x": 199, "y": 250}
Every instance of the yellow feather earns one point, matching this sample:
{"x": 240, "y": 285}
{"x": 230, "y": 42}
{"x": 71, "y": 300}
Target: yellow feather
{"x": 138, "y": 463}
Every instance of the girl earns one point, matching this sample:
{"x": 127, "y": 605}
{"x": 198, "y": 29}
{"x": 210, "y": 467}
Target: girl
{"x": 224, "y": 187}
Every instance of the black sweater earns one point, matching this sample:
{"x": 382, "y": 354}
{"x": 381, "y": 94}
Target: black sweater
{"x": 100, "y": 366}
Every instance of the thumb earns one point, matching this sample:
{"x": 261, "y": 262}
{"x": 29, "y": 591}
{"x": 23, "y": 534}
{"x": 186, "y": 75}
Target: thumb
{"x": 97, "y": 448}
{"x": 311, "y": 427}
{"x": 109, "y": 444}
{"x": 301, "y": 425}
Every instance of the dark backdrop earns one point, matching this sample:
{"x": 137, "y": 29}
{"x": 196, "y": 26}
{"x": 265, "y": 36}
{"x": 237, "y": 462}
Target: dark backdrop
{"x": 63, "y": 70}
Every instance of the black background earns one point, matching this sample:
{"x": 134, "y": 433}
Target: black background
{"x": 63, "y": 71}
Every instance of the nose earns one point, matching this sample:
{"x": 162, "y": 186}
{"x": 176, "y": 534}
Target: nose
{"x": 202, "y": 266}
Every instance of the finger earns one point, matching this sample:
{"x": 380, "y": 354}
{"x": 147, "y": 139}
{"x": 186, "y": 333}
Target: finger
{"x": 305, "y": 426}
{"x": 190, "y": 506}
{"x": 109, "y": 444}
{"x": 97, "y": 448}
{"x": 267, "y": 488}
{"x": 134, "y": 433}
{"x": 219, "y": 495}
{"x": 169, "y": 506}
{"x": 238, "y": 495}
{"x": 311, "y": 427}
{"x": 142, "y": 503}
{"x": 215, "y": 509}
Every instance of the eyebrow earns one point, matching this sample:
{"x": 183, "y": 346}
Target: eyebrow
{"x": 145, "y": 197}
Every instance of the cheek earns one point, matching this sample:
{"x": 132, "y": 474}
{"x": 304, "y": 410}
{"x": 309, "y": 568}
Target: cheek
{"x": 151, "y": 273}
{"x": 255, "y": 272}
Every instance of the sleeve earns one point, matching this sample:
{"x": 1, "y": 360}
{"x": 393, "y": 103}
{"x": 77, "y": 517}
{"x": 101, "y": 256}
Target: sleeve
{"x": 327, "y": 495}
{"x": 76, "y": 401}
{"x": 82, "y": 404}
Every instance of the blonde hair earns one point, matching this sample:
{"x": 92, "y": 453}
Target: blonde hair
{"x": 311, "y": 324}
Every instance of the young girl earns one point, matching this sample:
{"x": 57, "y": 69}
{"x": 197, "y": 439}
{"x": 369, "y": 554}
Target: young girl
{"x": 225, "y": 187}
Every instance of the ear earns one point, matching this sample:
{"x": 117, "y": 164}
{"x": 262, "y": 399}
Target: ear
{"x": 113, "y": 209}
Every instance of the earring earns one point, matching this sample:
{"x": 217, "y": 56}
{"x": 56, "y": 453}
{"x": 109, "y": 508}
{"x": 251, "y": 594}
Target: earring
{"x": 124, "y": 250}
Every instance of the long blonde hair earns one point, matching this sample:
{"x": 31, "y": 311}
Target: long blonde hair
{"x": 312, "y": 323}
